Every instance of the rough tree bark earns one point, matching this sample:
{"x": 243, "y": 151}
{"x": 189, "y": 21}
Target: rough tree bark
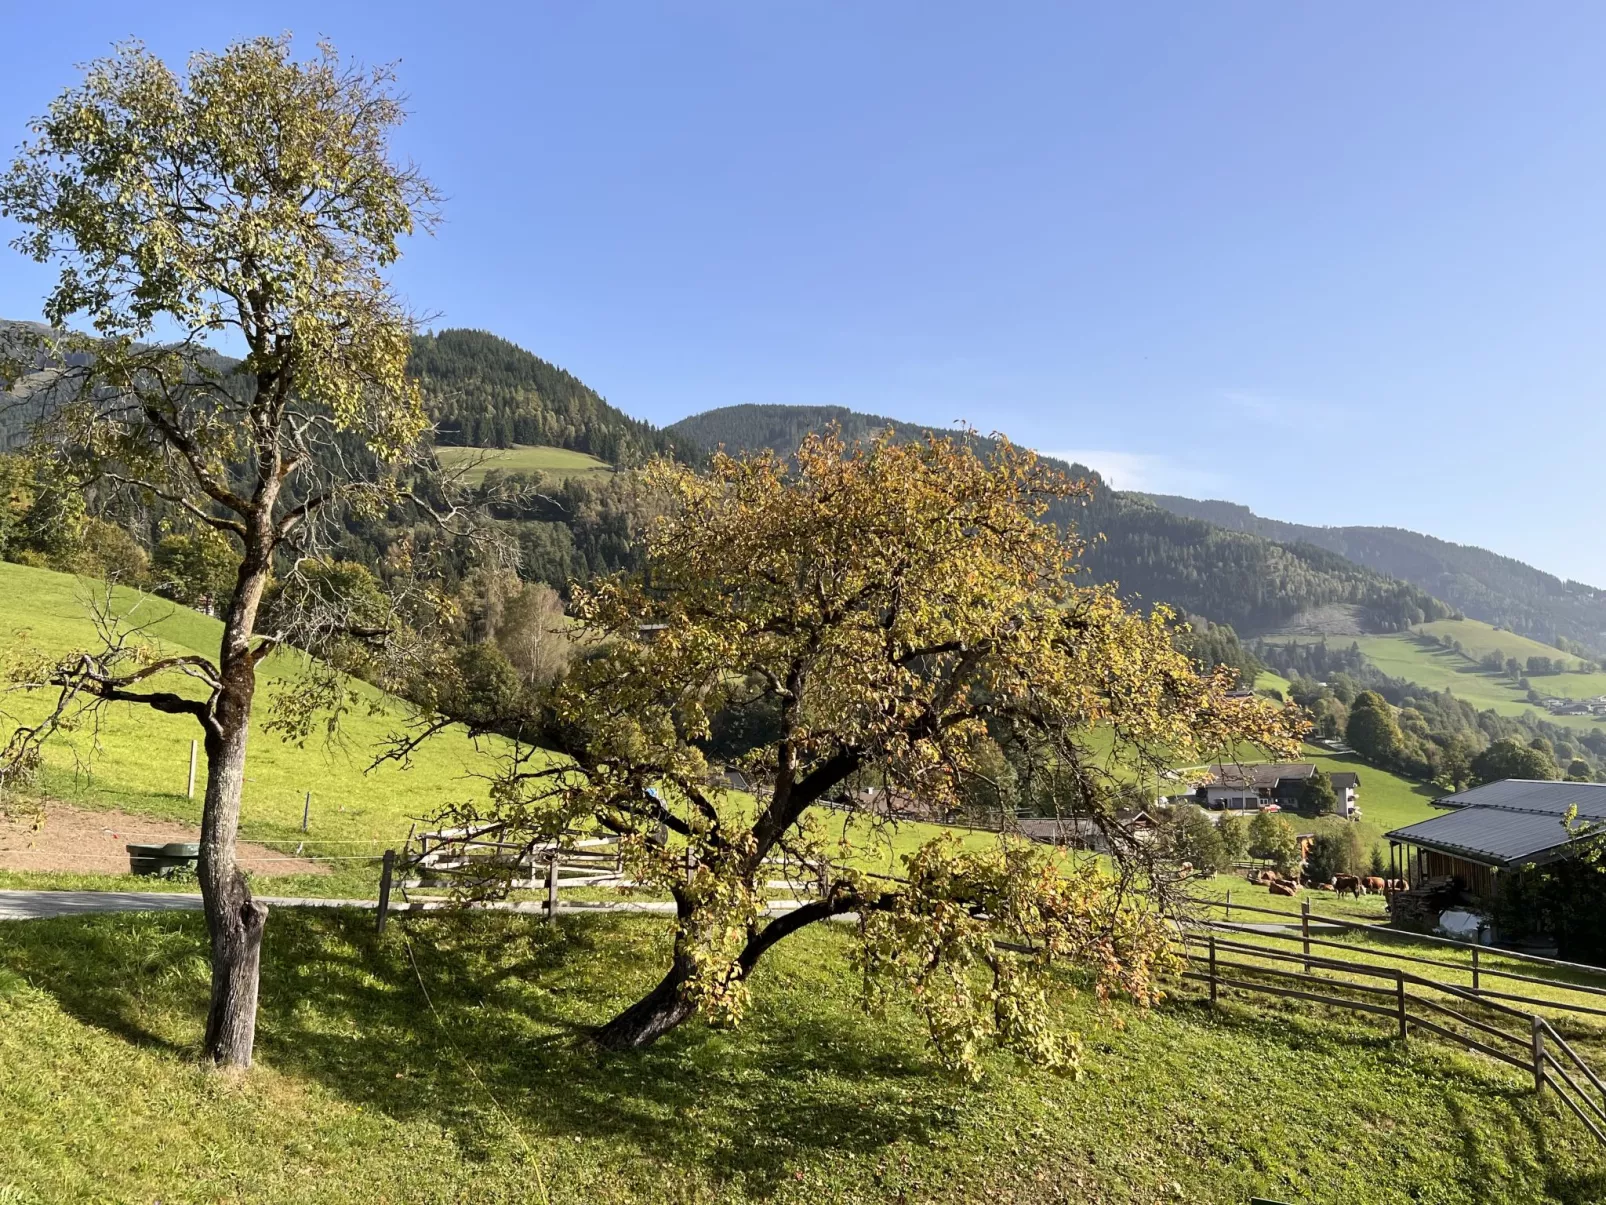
{"x": 234, "y": 919}
{"x": 666, "y": 1007}
{"x": 654, "y": 1015}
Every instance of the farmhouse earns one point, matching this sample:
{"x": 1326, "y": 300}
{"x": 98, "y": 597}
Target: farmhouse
{"x": 1250, "y": 788}
{"x": 1494, "y": 829}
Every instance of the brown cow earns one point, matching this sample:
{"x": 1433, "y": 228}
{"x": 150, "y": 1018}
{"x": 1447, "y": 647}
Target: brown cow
{"x": 1324, "y": 887}
{"x": 1399, "y": 885}
{"x": 1283, "y": 888}
{"x": 1347, "y": 883}
{"x": 1374, "y": 884}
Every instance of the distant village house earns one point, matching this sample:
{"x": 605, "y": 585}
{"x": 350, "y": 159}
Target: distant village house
{"x": 1251, "y": 788}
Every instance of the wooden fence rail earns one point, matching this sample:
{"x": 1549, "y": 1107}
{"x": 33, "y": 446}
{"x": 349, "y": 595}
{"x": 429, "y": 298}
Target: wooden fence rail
{"x": 1525, "y": 1041}
{"x": 1295, "y": 927}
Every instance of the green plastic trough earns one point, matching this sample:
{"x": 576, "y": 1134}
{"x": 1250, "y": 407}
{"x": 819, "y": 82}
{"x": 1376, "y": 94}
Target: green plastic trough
{"x": 163, "y": 860}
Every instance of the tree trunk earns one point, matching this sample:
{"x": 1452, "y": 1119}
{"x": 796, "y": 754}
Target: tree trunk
{"x": 234, "y": 920}
{"x": 666, "y": 1007}
{"x": 654, "y": 1015}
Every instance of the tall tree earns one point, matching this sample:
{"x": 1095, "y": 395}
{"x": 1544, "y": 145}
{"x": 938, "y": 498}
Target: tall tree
{"x": 889, "y": 611}
{"x": 1505, "y": 758}
{"x": 253, "y": 197}
{"x": 1372, "y": 730}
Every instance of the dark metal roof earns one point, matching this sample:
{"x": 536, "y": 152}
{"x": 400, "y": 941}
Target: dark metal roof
{"x": 1508, "y": 823}
{"x": 1266, "y": 775}
{"x": 1493, "y": 836}
{"x": 1532, "y": 795}
{"x": 1345, "y": 778}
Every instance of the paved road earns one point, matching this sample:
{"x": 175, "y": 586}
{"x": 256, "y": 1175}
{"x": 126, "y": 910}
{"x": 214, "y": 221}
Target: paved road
{"x": 37, "y": 905}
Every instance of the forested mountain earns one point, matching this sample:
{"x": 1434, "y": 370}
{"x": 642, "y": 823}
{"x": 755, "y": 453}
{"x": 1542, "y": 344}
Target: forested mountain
{"x": 1496, "y": 589}
{"x": 1234, "y": 577}
{"x": 483, "y": 391}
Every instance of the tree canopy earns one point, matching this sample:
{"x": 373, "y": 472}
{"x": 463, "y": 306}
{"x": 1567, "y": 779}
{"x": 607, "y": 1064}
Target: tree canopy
{"x": 894, "y": 612}
{"x": 1507, "y": 759}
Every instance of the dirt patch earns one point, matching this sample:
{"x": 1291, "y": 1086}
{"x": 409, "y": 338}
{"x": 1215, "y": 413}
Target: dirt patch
{"x": 69, "y": 839}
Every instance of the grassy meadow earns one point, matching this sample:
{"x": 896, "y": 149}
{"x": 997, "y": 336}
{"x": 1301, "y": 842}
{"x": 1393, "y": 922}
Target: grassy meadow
{"x": 1413, "y": 657}
{"x": 137, "y": 759}
{"x": 521, "y": 458}
{"x": 488, "y": 1091}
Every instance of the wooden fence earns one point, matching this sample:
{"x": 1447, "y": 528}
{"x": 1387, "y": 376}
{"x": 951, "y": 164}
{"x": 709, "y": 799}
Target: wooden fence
{"x": 1261, "y": 959}
{"x": 480, "y": 862}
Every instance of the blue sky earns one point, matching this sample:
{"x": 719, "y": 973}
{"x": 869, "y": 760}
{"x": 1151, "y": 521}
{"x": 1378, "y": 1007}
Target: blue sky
{"x": 1342, "y": 263}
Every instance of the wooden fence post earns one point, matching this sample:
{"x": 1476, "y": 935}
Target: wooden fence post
{"x": 552, "y": 889}
{"x": 1229, "y": 906}
{"x": 1212, "y": 968}
{"x": 1474, "y": 968}
{"x": 1399, "y": 995}
{"x": 384, "y": 888}
{"x": 1304, "y": 928}
{"x": 1539, "y": 1054}
{"x": 190, "y": 790}
{"x": 306, "y": 811}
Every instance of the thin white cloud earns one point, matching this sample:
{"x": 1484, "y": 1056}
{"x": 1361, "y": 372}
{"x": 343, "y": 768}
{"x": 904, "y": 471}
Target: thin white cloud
{"x": 1148, "y": 472}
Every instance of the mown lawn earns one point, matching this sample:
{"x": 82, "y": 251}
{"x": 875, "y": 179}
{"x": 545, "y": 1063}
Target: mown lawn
{"x": 364, "y": 1093}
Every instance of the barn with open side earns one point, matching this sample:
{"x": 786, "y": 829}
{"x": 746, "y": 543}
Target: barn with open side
{"x": 1494, "y": 829}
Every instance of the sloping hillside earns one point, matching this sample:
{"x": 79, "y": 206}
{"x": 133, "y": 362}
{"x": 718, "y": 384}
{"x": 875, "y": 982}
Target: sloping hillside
{"x": 1496, "y": 589}
{"x": 137, "y": 759}
{"x": 483, "y": 391}
{"x": 1157, "y": 556}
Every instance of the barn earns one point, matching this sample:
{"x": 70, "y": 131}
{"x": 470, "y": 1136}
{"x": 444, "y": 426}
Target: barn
{"x": 1492, "y": 830}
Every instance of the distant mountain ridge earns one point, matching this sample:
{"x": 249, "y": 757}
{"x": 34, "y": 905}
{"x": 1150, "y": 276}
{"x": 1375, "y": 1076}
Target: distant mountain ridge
{"x": 1253, "y": 583}
{"x": 1496, "y": 589}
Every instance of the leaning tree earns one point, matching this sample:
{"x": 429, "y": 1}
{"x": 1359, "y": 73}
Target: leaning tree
{"x": 878, "y": 622}
{"x": 252, "y": 203}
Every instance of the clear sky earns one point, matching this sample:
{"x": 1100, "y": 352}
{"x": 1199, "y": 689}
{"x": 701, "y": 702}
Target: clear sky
{"x": 1342, "y": 263}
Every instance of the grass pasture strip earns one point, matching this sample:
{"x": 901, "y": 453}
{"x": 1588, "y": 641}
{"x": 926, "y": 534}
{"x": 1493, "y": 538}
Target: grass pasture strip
{"x": 520, "y": 458}
{"x": 359, "y": 1096}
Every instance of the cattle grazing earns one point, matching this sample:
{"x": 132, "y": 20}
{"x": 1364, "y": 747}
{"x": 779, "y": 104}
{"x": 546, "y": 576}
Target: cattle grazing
{"x": 1374, "y": 884}
{"x": 1347, "y": 884}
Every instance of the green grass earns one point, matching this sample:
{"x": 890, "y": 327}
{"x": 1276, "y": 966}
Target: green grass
{"x": 360, "y": 1094}
{"x": 1266, "y": 680}
{"x": 138, "y": 758}
{"x": 1387, "y": 800}
{"x": 1412, "y": 657}
{"x": 1478, "y": 639}
{"x": 521, "y": 458}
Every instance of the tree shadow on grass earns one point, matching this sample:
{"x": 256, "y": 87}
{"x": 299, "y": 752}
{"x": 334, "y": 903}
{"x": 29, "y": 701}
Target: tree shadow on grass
{"x": 501, "y": 1007}
{"x": 132, "y": 975}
